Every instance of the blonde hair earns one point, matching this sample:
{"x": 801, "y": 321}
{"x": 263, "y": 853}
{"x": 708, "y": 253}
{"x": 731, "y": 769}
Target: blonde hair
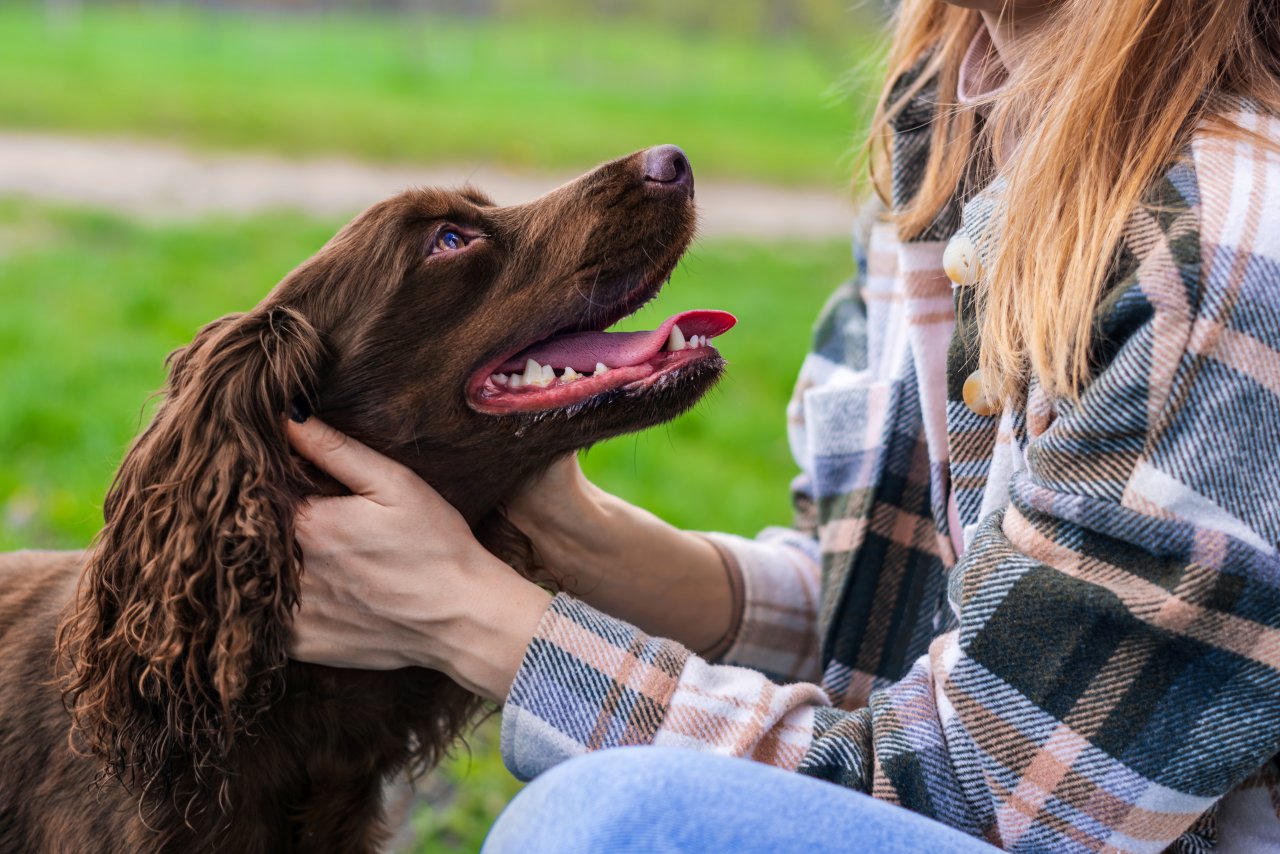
{"x": 1105, "y": 96}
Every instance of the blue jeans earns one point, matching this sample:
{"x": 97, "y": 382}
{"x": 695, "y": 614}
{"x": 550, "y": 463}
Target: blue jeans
{"x": 652, "y": 799}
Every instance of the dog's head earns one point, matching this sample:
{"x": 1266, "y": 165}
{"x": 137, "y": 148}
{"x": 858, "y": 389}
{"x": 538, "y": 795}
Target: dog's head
{"x": 463, "y": 339}
{"x": 466, "y": 340}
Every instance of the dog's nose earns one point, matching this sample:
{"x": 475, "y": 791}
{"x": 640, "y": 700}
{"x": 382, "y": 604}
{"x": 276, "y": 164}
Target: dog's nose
{"x": 668, "y": 166}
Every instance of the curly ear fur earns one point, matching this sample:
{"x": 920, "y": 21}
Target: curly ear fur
{"x": 176, "y": 642}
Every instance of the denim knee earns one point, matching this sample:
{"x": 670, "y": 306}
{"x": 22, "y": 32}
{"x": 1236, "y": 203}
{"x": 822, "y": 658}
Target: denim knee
{"x": 598, "y": 801}
{"x": 657, "y": 800}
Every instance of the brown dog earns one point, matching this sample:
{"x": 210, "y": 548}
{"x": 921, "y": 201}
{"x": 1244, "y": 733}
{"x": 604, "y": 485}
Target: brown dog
{"x": 450, "y": 334}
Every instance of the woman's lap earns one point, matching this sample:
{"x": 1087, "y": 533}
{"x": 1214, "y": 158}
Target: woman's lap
{"x": 648, "y": 799}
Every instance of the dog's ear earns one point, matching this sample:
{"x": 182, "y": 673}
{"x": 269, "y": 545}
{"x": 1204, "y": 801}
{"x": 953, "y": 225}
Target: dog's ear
{"x": 177, "y": 638}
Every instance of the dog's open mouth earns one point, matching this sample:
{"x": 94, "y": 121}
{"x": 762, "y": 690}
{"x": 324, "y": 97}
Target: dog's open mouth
{"x": 564, "y": 370}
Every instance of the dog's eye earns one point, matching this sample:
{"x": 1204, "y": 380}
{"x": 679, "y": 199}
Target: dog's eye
{"x": 449, "y": 240}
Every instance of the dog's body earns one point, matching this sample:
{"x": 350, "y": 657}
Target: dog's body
{"x": 310, "y": 778}
{"x": 188, "y": 729}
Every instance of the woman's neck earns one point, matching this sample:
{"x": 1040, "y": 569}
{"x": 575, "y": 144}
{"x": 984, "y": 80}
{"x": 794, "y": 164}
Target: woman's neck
{"x": 1009, "y": 30}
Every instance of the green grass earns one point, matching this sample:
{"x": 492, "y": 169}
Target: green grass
{"x": 91, "y": 304}
{"x": 478, "y": 787}
{"x": 527, "y": 94}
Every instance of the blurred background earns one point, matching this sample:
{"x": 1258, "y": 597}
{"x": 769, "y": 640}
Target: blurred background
{"x": 164, "y": 163}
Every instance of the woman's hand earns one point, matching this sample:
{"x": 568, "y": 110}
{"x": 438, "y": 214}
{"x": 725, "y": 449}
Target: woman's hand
{"x": 394, "y": 578}
{"x": 624, "y": 560}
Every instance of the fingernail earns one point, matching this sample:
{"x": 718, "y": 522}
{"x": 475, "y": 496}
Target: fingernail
{"x": 299, "y": 410}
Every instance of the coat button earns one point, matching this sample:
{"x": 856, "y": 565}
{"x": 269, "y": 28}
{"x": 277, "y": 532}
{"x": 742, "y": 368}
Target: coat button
{"x": 960, "y": 262}
{"x": 975, "y": 396}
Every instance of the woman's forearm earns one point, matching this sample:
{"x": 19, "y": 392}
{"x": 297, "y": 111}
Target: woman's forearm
{"x": 627, "y": 562}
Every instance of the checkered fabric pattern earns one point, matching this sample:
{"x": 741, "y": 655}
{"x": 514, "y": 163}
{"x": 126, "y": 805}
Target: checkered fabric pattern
{"x": 1102, "y": 664}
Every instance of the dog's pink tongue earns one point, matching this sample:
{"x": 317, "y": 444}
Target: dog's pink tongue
{"x": 582, "y": 351}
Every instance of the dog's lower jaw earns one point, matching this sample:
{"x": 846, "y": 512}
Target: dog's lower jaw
{"x": 627, "y": 409}
{"x": 540, "y": 438}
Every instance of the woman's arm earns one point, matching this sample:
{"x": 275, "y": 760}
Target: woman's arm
{"x": 626, "y": 561}
{"x": 381, "y": 592}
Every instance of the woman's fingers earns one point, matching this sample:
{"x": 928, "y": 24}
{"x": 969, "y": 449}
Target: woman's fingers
{"x": 356, "y": 466}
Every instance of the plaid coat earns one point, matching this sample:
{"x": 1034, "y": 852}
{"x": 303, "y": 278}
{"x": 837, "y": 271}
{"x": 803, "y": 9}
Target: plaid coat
{"x": 1102, "y": 664}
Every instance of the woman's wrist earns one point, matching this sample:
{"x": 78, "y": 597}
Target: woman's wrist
{"x": 577, "y": 528}
{"x": 482, "y": 646}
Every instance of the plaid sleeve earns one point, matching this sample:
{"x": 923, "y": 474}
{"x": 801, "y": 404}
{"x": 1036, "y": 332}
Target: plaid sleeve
{"x": 781, "y": 577}
{"x": 1116, "y": 669}
{"x": 589, "y": 681}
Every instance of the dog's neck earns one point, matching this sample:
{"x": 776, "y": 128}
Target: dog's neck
{"x": 476, "y": 491}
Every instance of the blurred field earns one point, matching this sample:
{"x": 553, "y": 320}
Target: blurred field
{"x": 540, "y": 94}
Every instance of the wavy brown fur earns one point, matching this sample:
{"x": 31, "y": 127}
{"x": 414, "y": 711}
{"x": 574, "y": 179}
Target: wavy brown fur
{"x": 201, "y": 734}
{"x": 177, "y": 643}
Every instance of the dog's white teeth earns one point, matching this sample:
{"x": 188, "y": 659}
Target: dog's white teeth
{"x": 535, "y": 374}
{"x": 601, "y": 369}
{"x": 539, "y": 375}
{"x": 675, "y": 341}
